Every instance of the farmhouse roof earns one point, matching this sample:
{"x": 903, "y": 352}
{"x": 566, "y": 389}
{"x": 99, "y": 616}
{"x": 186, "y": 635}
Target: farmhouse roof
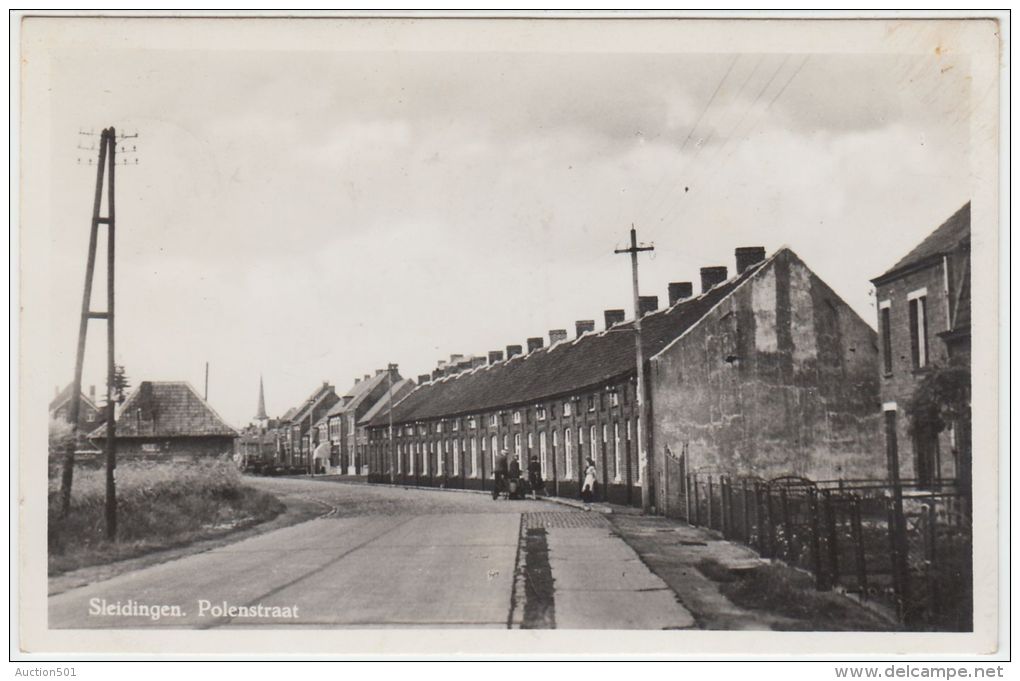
{"x": 167, "y": 409}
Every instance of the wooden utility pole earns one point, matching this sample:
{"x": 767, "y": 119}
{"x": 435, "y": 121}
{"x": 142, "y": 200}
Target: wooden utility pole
{"x": 104, "y": 170}
{"x": 642, "y": 434}
{"x": 393, "y": 468}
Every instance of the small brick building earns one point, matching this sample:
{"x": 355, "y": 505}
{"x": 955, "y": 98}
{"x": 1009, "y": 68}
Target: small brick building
{"x": 168, "y": 420}
{"x": 924, "y": 323}
{"x": 765, "y": 373}
{"x": 340, "y": 423}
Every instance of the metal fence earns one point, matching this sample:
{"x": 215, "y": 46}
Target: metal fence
{"x": 909, "y": 551}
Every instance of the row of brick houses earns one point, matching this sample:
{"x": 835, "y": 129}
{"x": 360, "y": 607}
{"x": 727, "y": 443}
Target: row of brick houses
{"x": 765, "y": 373}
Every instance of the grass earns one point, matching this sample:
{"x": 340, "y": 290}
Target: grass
{"x": 781, "y": 590}
{"x": 159, "y": 506}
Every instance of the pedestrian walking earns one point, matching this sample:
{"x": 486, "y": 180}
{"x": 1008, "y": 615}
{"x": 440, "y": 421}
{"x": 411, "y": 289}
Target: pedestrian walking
{"x": 499, "y": 473}
{"x": 588, "y": 487}
{"x": 535, "y": 477}
{"x": 516, "y": 491}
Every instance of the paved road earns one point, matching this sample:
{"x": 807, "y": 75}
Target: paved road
{"x": 394, "y": 557}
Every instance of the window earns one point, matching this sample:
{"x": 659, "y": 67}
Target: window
{"x": 628, "y": 430}
{"x": 540, "y": 413}
{"x": 456, "y": 456}
{"x": 517, "y": 416}
{"x": 411, "y": 459}
{"x": 456, "y": 425}
{"x": 474, "y": 457}
{"x": 472, "y": 423}
{"x": 568, "y": 454}
{"x": 566, "y": 408}
{"x": 886, "y": 331}
{"x": 917, "y": 302}
{"x": 493, "y": 452}
{"x": 517, "y": 443}
{"x": 506, "y": 441}
{"x": 531, "y": 442}
{"x": 400, "y": 459}
{"x": 591, "y": 403}
{"x": 592, "y": 441}
{"x": 543, "y": 456}
{"x": 493, "y": 420}
{"x": 614, "y": 399}
{"x": 350, "y": 422}
{"x": 409, "y": 431}
{"x": 616, "y": 450}
{"x": 439, "y": 427}
{"x": 149, "y": 447}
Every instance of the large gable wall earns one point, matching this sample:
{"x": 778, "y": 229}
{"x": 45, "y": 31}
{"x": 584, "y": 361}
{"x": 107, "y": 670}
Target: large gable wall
{"x": 798, "y": 396}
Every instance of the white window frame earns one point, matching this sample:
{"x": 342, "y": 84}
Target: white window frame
{"x": 517, "y": 416}
{"x": 517, "y": 444}
{"x": 543, "y": 454}
{"x": 616, "y": 451}
{"x": 567, "y": 408}
{"x": 493, "y": 419}
{"x": 531, "y": 442}
{"x": 922, "y": 323}
{"x": 495, "y": 450}
{"x": 568, "y": 453}
{"x": 540, "y": 413}
{"x": 456, "y": 455}
{"x": 474, "y": 457}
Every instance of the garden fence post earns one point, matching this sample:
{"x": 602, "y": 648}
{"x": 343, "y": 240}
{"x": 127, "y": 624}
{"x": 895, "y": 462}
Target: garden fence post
{"x": 816, "y": 542}
{"x": 858, "y": 530}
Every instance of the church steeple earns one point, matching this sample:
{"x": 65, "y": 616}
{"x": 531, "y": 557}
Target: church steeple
{"x": 260, "y": 415}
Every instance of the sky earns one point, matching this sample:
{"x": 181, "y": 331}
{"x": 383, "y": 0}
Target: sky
{"x": 312, "y": 215}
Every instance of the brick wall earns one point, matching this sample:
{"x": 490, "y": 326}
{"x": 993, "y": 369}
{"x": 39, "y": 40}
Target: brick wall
{"x": 779, "y": 379}
{"x": 897, "y": 386}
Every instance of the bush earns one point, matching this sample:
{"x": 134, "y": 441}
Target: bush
{"x": 158, "y": 505}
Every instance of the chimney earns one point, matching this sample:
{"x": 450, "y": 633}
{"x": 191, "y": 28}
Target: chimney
{"x": 710, "y": 276}
{"x": 92, "y": 393}
{"x": 424, "y": 378}
{"x": 377, "y": 372}
{"x": 357, "y": 380}
{"x": 392, "y": 368}
{"x": 535, "y": 343}
{"x": 495, "y": 356}
{"x": 437, "y": 373}
{"x": 647, "y": 304}
{"x": 748, "y": 256}
{"x": 454, "y": 359}
{"x": 463, "y": 365}
{"x": 614, "y": 317}
{"x": 512, "y": 350}
{"x": 366, "y": 377}
{"x": 477, "y": 362}
{"x": 584, "y": 326}
{"x": 678, "y": 290}
{"x": 557, "y": 335}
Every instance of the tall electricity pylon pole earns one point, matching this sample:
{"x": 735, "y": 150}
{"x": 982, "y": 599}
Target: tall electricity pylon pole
{"x": 643, "y": 469}
{"x": 104, "y": 168}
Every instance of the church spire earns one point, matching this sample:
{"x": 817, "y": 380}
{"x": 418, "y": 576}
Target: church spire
{"x": 261, "y": 414}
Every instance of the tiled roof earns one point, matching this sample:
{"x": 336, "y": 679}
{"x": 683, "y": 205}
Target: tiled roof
{"x": 65, "y": 394}
{"x": 945, "y": 239}
{"x": 167, "y": 409}
{"x": 565, "y": 367}
{"x": 399, "y": 390}
{"x": 358, "y": 393}
{"x": 300, "y": 412}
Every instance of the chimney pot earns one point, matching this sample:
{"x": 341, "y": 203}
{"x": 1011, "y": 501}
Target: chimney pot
{"x": 495, "y": 356}
{"x": 512, "y": 350}
{"x": 583, "y": 326}
{"x": 678, "y": 290}
{"x": 711, "y": 276}
{"x": 647, "y": 304}
{"x": 614, "y": 317}
{"x": 535, "y": 343}
{"x": 557, "y": 335}
{"x": 748, "y": 256}
{"x": 357, "y": 380}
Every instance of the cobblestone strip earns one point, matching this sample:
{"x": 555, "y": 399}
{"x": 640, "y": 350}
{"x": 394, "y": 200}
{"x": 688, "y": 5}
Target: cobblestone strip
{"x": 551, "y": 519}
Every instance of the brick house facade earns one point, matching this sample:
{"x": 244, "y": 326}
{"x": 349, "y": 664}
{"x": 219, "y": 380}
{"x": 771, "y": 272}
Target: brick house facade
{"x": 924, "y": 323}
{"x": 298, "y": 427}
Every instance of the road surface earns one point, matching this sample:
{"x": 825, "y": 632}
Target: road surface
{"x": 394, "y": 557}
